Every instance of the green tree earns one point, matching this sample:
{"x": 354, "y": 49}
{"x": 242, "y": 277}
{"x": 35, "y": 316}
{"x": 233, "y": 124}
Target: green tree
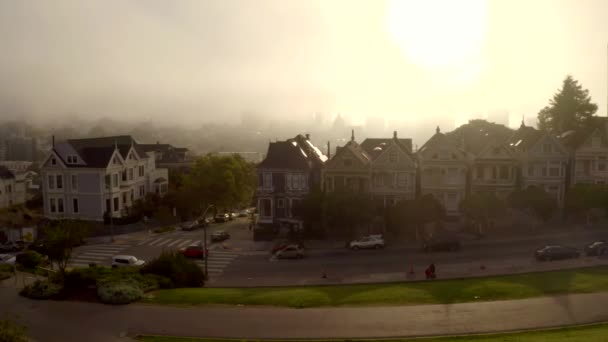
{"x": 570, "y": 108}
{"x": 413, "y": 215}
{"x": 534, "y": 199}
{"x": 582, "y": 198}
{"x": 310, "y": 209}
{"x": 11, "y": 331}
{"x": 61, "y": 238}
{"x": 482, "y": 209}
{"x": 345, "y": 212}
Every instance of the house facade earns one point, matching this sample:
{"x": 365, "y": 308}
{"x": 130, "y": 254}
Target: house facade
{"x": 494, "y": 170}
{"x": 169, "y": 156}
{"x": 290, "y": 170}
{"x": 85, "y": 178}
{"x": 588, "y": 153}
{"x": 348, "y": 170}
{"x": 443, "y": 168}
{"x": 543, "y": 161}
{"x": 12, "y": 189}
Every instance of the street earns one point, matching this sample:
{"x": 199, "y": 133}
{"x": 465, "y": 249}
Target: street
{"x": 241, "y": 262}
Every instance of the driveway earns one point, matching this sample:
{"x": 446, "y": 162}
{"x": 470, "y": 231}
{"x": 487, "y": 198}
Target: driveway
{"x": 77, "y": 321}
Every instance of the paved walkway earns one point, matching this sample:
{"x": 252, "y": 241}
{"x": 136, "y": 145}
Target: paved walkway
{"x": 76, "y": 321}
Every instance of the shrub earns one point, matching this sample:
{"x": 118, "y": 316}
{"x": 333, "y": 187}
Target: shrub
{"x": 164, "y": 229}
{"x": 4, "y": 276}
{"x": 30, "y": 259}
{"x": 11, "y": 331}
{"x": 6, "y": 268}
{"x": 176, "y": 267}
{"x": 41, "y": 289}
{"x": 119, "y": 293}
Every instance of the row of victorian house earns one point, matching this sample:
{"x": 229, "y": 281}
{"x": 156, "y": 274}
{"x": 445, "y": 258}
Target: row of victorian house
{"x": 446, "y": 166}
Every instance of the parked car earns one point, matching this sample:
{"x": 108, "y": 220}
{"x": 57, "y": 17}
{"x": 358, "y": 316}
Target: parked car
{"x": 367, "y": 242}
{"x": 556, "y": 252}
{"x": 232, "y": 216}
{"x": 194, "y": 251}
{"x": 7, "y": 259}
{"x": 290, "y": 252}
{"x": 126, "y": 261}
{"x": 221, "y": 218}
{"x": 38, "y": 246}
{"x": 219, "y": 236}
{"x": 244, "y": 213}
{"x": 10, "y": 247}
{"x": 191, "y": 225}
{"x": 441, "y": 243}
{"x": 597, "y": 248}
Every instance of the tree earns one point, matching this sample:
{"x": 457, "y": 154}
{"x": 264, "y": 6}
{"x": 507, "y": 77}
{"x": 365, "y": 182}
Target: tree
{"x": 415, "y": 214}
{"x": 569, "y": 109}
{"x": 10, "y": 331}
{"x": 345, "y": 212}
{"x": 534, "y": 199}
{"x": 583, "y": 198}
{"x": 61, "y": 238}
{"x": 310, "y": 209}
{"x": 482, "y": 209}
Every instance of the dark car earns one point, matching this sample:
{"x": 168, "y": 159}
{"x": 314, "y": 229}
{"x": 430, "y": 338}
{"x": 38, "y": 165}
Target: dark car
{"x": 10, "y": 247}
{"x": 219, "y": 236}
{"x": 192, "y": 225}
{"x": 194, "y": 251}
{"x": 38, "y": 246}
{"x": 597, "y": 248}
{"x": 441, "y": 243}
{"x": 556, "y": 252}
{"x": 221, "y": 218}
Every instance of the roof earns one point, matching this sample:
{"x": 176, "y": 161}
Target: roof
{"x": 6, "y": 173}
{"x": 524, "y": 138}
{"x": 476, "y": 135}
{"x": 296, "y": 153}
{"x": 375, "y": 146}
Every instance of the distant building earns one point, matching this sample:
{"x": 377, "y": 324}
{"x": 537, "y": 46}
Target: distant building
{"x": 588, "y": 150}
{"x": 16, "y": 166}
{"x": 85, "y": 178}
{"x": 19, "y": 149}
{"x": 168, "y": 156}
{"x": 12, "y": 190}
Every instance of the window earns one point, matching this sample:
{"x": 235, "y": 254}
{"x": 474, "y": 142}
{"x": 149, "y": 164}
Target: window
{"x": 392, "y": 157}
{"x": 51, "y": 182}
{"x": 60, "y": 205}
{"x": 116, "y": 203}
{"x": 115, "y": 180}
{"x": 72, "y": 159}
{"x": 348, "y": 162}
{"x": 74, "y": 182}
{"x": 329, "y": 184}
{"x": 59, "y": 182}
{"x": 131, "y": 174}
{"x": 142, "y": 191}
{"x": 479, "y": 172}
{"x": 108, "y": 205}
{"x": 141, "y": 170}
{"x": 115, "y": 160}
{"x": 52, "y": 205}
{"x": 53, "y": 161}
{"x": 601, "y": 163}
{"x": 547, "y": 148}
{"x": 9, "y": 188}
{"x": 503, "y": 172}
{"x": 452, "y": 176}
{"x": 544, "y": 171}
{"x": 124, "y": 198}
{"x": 108, "y": 181}
{"x": 266, "y": 206}
{"x": 444, "y": 155}
{"x": 267, "y": 180}
{"x": 530, "y": 170}
{"x": 289, "y": 179}
{"x": 130, "y": 156}
{"x": 378, "y": 180}
{"x": 75, "y": 205}
{"x": 554, "y": 169}
{"x": 124, "y": 175}
{"x": 132, "y": 195}
{"x": 280, "y": 203}
{"x": 402, "y": 180}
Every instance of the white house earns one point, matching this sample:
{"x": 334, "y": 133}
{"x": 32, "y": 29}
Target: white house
{"x": 85, "y": 178}
{"x": 12, "y": 189}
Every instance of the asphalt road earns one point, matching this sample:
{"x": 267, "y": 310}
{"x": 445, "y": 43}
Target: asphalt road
{"x": 51, "y": 321}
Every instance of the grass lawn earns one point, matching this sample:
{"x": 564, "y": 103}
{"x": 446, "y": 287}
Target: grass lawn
{"x": 584, "y": 280}
{"x": 595, "y": 333}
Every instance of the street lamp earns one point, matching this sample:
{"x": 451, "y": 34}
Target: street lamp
{"x": 204, "y": 216}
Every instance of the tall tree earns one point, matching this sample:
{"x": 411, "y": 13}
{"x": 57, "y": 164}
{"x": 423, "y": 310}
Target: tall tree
{"x": 61, "y": 238}
{"x": 570, "y": 108}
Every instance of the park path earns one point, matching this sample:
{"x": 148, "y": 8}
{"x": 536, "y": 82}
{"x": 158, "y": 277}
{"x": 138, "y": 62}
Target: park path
{"x": 78, "y": 321}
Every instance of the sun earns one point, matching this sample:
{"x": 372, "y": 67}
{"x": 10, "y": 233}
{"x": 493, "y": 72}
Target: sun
{"x": 438, "y": 33}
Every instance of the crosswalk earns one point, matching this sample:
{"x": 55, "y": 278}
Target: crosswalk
{"x": 172, "y": 243}
{"x": 218, "y": 261}
{"x": 96, "y": 254}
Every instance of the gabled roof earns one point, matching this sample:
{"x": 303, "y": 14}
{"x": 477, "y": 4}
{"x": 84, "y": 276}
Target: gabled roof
{"x": 284, "y": 155}
{"x": 524, "y": 138}
{"x": 375, "y": 146}
{"x": 123, "y": 142}
{"x": 6, "y": 173}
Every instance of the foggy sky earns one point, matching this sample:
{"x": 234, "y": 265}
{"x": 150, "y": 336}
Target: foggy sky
{"x": 194, "y": 61}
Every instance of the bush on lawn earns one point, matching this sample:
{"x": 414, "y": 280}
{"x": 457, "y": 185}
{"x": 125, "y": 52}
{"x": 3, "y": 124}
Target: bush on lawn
{"x": 176, "y": 267}
{"x": 6, "y": 271}
{"x": 30, "y": 259}
{"x": 5, "y": 275}
{"x": 41, "y": 289}
{"x": 119, "y": 292}
{"x": 11, "y": 331}
{"x": 83, "y": 278}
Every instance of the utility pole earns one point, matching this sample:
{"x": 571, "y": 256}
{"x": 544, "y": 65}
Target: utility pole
{"x": 205, "y": 239}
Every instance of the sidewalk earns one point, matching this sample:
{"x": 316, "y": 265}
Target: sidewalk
{"x": 51, "y": 321}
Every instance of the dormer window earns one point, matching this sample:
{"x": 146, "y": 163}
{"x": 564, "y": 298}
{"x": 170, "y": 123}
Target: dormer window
{"x": 392, "y": 157}
{"x": 72, "y": 159}
{"x": 115, "y": 160}
{"x": 53, "y": 161}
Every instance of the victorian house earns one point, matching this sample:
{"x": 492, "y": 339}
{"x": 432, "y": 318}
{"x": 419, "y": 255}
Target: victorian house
{"x": 588, "y": 153}
{"x": 290, "y": 170}
{"x": 349, "y": 169}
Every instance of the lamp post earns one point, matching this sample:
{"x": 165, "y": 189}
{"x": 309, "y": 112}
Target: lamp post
{"x": 205, "y": 238}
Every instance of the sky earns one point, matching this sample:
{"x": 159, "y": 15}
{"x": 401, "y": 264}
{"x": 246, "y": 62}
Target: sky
{"x": 191, "y": 61}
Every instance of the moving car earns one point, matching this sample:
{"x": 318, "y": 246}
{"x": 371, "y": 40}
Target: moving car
{"x": 244, "y": 213}
{"x": 194, "y": 251}
{"x": 219, "y": 236}
{"x": 596, "y": 248}
{"x": 441, "y": 243}
{"x": 126, "y": 261}
{"x": 192, "y": 225}
{"x": 371, "y": 241}
{"x": 7, "y": 259}
{"x": 221, "y": 218}
{"x": 556, "y": 252}
{"x": 290, "y": 252}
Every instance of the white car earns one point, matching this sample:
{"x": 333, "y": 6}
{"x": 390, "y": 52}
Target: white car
{"x": 7, "y": 259}
{"x": 371, "y": 241}
{"x": 290, "y": 252}
{"x": 125, "y": 261}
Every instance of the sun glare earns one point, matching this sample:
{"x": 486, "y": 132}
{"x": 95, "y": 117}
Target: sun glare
{"x": 438, "y": 33}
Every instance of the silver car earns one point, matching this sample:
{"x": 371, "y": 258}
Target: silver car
{"x": 290, "y": 252}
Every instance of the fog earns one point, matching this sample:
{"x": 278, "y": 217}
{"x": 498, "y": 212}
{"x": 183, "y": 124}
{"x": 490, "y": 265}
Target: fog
{"x": 191, "y": 62}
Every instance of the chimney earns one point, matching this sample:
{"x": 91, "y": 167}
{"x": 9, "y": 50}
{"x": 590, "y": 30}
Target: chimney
{"x": 437, "y": 130}
{"x": 53, "y": 141}
{"x": 328, "y": 150}
{"x": 395, "y": 134}
{"x": 307, "y": 136}
{"x": 352, "y": 135}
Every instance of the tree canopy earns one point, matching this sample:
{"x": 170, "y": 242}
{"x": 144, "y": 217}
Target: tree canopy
{"x": 570, "y": 108}
{"x": 482, "y": 208}
{"x": 535, "y": 199}
{"x": 61, "y": 238}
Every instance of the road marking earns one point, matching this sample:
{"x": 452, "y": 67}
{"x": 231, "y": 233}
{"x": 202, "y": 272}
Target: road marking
{"x": 222, "y": 258}
{"x": 174, "y": 242}
{"x": 150, "y": 242}
{"x": 197, "y": 242}
{"x": 185, "y": 243}
{"x": 145, "y": 241}
{"x": 159, "y": 242}
{"x": 92, "y": 258}
{"x": 96, "y": 253}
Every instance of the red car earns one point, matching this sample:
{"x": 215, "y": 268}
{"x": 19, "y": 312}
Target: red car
{"x": 194, "y": 251}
